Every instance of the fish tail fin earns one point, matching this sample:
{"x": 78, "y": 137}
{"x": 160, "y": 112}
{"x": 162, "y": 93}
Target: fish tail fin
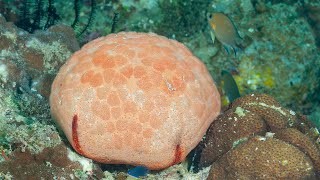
{"x": 237, "y": 49}
{"x": 227, "y": 48}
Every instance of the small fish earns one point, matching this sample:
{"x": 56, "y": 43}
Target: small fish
{"x": 229, "y": 86}
{"x": 138, "y": 171}
{"x": 225, "y": 31}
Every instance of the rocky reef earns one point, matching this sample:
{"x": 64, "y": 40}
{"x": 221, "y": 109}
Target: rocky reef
{"x": 30, "y": 61}
{"x": 280, "y": 57}
{"x": 280, "y": 54}
{"x": 30, "y": 144}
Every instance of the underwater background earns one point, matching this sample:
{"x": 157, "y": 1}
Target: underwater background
{"x": 279, "y": 56}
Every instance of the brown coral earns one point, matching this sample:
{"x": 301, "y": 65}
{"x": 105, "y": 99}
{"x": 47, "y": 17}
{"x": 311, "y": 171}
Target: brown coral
{"x": 249, "y": 120}
{"x": 304, "y": 143}
{"x": 262, "y": 158}
{"x": 268, "y": 109}
{"x": 227, "y": 130}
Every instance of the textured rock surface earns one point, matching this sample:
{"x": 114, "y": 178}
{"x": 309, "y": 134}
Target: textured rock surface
{"x": 51, "y": 163}
{"x": 29, "y": 62}
{"x": 259, "y": 121}
{"x": 134, "y": 98}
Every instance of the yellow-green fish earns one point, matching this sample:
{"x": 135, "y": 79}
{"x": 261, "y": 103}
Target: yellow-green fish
{"x": 225, "y": 31}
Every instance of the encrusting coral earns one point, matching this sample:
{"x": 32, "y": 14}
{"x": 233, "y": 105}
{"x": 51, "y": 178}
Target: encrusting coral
{"x": 134, "y": 98}
{"x": 257, "y": 138}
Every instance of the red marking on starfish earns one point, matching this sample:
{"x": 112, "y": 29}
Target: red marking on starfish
{"x": 75, "y": 138}
{"x": 4, "y": 156}
{"x": 177, "y": 155}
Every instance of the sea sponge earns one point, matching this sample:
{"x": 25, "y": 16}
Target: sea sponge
{"x": 134, "y": 98}
{"x": 258, "y": 116}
